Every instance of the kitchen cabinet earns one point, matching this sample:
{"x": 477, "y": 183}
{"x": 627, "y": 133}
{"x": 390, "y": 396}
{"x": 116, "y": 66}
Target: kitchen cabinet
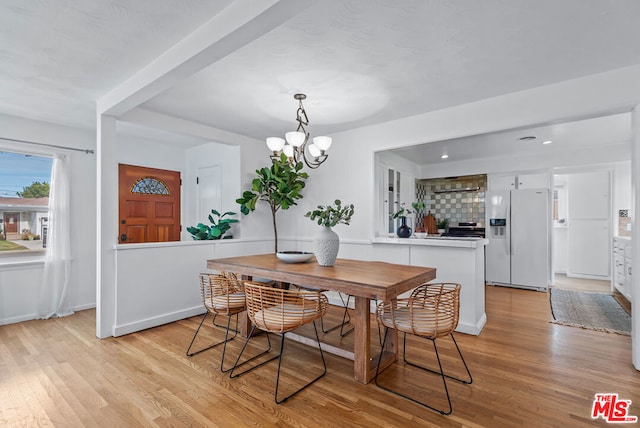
{"x": 518, "y": 181}
{"x": 622, "y": 266}
{"x": 533, "y": 181}
{"x": 501, "y": 182}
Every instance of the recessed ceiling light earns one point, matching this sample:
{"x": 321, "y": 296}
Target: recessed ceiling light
{"x": 547, "y": 142}
{"x": 444, "y": 156}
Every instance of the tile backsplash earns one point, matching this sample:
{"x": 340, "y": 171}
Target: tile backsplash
{"x": 447, "y": 197}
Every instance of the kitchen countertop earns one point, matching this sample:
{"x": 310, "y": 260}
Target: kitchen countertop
{"x": 435, "y": 241}
{"x": 627, "y": 238}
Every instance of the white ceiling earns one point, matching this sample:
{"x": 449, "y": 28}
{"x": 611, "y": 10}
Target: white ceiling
{"x": 566, "y": 138}
{"x": 359, "y": 61}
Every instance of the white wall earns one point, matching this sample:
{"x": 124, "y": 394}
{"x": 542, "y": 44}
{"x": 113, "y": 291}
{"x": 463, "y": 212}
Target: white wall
{"x": 20, "y": 283}
{"x": 167, "y": 289}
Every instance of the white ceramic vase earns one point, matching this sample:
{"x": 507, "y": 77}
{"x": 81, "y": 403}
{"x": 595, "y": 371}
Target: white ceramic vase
{"x": 327, "y": 244}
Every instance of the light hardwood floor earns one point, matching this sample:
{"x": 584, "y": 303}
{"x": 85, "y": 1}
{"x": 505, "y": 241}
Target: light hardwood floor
{"x": 526, "y": 370}
{"x": 579, "y": 284}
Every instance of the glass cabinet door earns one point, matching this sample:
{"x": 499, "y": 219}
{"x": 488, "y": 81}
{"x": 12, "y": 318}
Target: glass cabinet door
{"x": 393, "y": 198}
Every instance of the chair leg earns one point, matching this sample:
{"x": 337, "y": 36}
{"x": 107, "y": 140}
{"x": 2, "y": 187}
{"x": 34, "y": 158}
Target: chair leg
{"x": 237, "y": 364}
{"x": 275, "y": 396}
{"x": 404, "y": 357}
{"x": 222, "y": 326}
{"x": 441, "y": 373}
{"x": 346, "y": 318}
{"x": 463, "y": 362}
{"x": 226, "y": 338}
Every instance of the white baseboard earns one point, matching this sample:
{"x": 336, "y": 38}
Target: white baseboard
{"x": 30, "y": 317}
{"x": 473, "y": 329}
{"x": 122, "y": 329}
{"x": 84, "y": 307}
{"x": 21, "y": 318}
{"x": 581, "y": 276}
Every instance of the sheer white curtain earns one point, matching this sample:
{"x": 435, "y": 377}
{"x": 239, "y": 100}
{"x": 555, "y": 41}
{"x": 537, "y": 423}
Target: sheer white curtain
{"x": 53, "y": 299}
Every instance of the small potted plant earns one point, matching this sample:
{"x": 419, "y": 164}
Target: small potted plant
{"x": 442, "y": 225}
{"x": 404, "y": 231}
{"x": 217, "y": 228}
{"x": 327, "y": 243}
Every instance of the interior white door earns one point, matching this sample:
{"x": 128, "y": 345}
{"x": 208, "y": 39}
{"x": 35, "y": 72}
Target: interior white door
{"x": 589, "y": 249}
{"x": 209, "y": 182}
{"x": 589, "y": 233}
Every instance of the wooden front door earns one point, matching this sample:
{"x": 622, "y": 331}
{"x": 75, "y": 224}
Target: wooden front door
{"x": 11, "y": 222}
{"x": 149, "y": 204}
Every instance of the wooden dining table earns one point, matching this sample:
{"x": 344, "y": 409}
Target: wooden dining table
{"x": 365, "y": 280}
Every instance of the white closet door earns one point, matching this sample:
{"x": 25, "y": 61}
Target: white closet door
{"x": 589, "y": 233}
{"x": 208, "y": 192}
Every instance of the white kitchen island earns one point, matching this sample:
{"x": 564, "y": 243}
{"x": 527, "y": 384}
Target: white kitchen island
{"x": 459, "y": 260}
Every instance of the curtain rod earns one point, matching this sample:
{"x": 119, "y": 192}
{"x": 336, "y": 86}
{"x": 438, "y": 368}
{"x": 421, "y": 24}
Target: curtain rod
{"x": 87, "y": 151}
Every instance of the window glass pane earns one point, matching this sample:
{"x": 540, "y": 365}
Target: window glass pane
{"x": 150, "y": 186}
{"x": 24, "y": 203}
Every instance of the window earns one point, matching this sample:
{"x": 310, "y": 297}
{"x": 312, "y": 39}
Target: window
{"x": 24, "y": 203}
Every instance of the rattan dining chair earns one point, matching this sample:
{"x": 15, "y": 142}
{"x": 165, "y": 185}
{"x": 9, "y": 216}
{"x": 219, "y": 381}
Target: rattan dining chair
{"x": 431, "y": 312}
{"x": 222, "y": 294}
{"x": 346, "y": 317}
{"x": 280, "y": 311}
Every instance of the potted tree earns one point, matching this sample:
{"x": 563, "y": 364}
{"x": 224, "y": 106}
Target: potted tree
{"x": 327, "y": 243}
{"x": 279, "y": 186}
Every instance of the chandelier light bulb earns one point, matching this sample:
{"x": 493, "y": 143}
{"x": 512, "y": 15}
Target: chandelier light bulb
{"x": 322, "y": 143}
{"x": 295, "y": 138}
{"x": 275, "y": 144}
{"x": 288, "y": 150}
{"x": 314, "y": 150}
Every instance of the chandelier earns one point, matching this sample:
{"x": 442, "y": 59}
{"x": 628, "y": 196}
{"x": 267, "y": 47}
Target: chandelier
{"x": 296, "y": 146}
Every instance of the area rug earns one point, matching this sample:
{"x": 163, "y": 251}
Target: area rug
{"x": 594, "y": 311}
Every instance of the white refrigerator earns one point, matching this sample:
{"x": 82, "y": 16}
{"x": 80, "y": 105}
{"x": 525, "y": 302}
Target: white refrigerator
{"x": 518, "y": 253}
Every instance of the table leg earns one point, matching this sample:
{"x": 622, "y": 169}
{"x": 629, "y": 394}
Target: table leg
{"x": 362, "y": 341}
{"x": 364, "y": 363}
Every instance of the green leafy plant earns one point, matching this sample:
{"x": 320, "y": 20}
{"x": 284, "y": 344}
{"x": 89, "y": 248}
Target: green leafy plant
{"x": 279, "y": 186}
{"x": 330, "y": 216}
{"x": 442, "y": 223}
{"x": 403, "y": 212}
{"x": 35, "y": 190}
{"x": 217, "y": 229}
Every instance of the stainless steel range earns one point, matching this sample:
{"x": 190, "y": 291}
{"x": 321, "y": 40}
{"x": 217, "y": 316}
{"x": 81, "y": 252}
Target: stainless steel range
{"x": 470, "y": 229}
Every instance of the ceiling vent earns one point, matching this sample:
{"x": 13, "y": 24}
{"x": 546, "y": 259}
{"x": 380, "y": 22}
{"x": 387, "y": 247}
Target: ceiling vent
{"x": 527, "y": 138}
